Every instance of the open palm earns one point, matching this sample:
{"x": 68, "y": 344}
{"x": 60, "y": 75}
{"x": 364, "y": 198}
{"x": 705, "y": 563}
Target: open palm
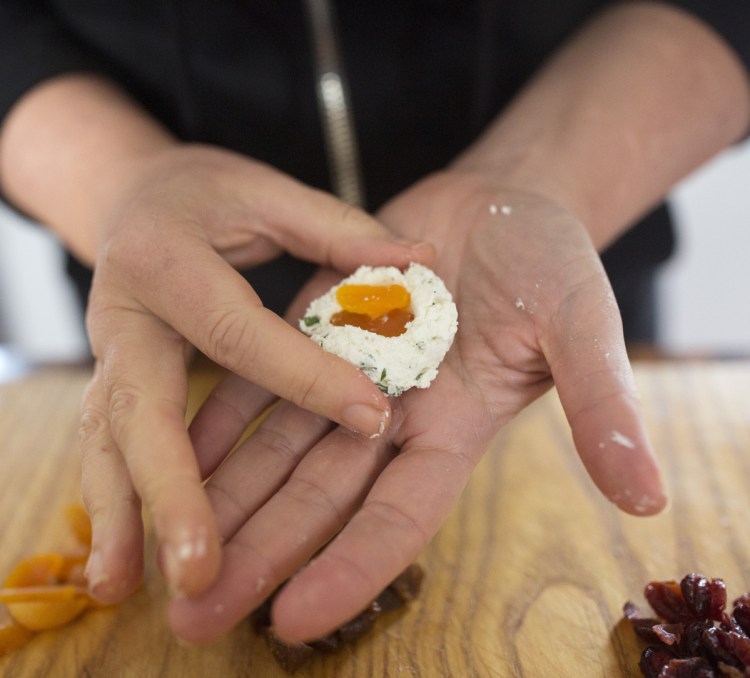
{"x": 535, "y": 308}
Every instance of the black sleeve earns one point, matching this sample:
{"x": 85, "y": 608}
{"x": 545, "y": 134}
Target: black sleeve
{"x": 34, "y": 46}
{"x": 729, "y": 18}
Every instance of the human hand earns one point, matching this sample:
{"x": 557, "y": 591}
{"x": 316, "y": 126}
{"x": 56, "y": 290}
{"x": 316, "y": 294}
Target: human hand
{"x": 535, "y": 308}
{"x": 164, "y": 281}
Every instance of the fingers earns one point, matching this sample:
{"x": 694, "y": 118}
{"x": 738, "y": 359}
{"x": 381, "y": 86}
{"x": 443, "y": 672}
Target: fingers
{"x": 404, "y": 510}
{"x": 143, "y": 383}
{"x": 262, "y": 464}
{"x": 225, "y": 320}
{"x": 596, "y": 387}
{"x": 115, "y": 565}
{"x": 317, "y": 226}
{"x": 222, "y": 419}
{"x": 302, "y": 515}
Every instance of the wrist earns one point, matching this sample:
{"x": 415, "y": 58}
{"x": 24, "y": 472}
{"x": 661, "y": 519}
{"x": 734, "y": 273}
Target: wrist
{"x": 607, "y": 138}
{"x": 69, "y": 149}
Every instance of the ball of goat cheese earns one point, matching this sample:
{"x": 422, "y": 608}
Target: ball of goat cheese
{"x": 393, "y": 363}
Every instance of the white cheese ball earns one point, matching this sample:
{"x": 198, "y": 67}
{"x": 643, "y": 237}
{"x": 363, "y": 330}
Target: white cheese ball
{"x": 394, "y": 364}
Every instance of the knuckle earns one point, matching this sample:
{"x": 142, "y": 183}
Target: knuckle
{"x": 313, "y": 496}
{"x": 93, "y": 422}
{"x": 231, "y": 339}
{"x": 92, "y": 425}
{"x": 306, "y": 389}
{"x": 226, "y": 502}
{"x": 123, "y": 400}
{"x": 397, "y": 520}
{"x": 277, "y": 442}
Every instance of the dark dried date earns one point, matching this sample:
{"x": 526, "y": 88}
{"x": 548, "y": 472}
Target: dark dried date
{"x": 692, "y": 635}
{"x": 400, "y": 591}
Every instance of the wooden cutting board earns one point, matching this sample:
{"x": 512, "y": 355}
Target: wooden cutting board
{"x": 527, "y": 578}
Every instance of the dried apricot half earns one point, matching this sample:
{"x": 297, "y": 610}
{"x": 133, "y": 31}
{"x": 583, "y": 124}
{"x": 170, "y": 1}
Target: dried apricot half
{"x": 36, "y": 595}
{"x": 372, "y": 300}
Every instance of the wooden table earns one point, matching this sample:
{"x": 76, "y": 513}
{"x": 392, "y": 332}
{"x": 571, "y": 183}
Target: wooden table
{"x": 527, "y": 578}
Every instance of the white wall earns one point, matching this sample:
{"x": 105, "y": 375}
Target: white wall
{"x": 704, "y": 289}
{"x": 38, "y": 308}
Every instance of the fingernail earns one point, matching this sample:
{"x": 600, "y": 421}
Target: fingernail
{"x": 365, "y": 419}
{"x": 95, "y": 576}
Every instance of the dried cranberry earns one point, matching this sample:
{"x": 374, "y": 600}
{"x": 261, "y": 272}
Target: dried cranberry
{"x": 704, "y": 599}
{"x": 721, "y": 645}
{"x": 669, "y": 634}
{"x": 731, "y": 672}
{"x": 666, "y": 598}
{"x": 692, "y": 639}
{"x": 643, "y": 626}
{"x": 742, "y": 648}
{"x": 653, "y": 660}
{"x": 741, "y": 612}
{"x": 694, "y": 667}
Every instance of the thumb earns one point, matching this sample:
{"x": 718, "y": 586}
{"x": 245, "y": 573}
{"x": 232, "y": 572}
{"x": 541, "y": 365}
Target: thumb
{"x": 597, "y": 389}
{"x": 316, "y": 226}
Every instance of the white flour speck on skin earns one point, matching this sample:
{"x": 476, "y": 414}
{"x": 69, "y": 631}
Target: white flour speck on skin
{"x": 493, "y": 209}
{"x": 620, "y": 439}
{"x": 644, "y": 504}
{"x": 520, "y": 305}
{"x": 507, "y": 210}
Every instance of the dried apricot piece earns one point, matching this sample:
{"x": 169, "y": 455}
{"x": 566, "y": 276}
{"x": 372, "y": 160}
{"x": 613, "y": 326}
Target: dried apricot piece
{"x": 382, "y": 309}
{"x": 390, "y": 324}
{"x": 372, "y": 300}
{"x": 12, "y": 634}
{"x": 80, "y": 523}
{"x": 42, "y": 616}
{"x": 37, "y": 570}
{"x": 50, "y": 602}
{"x": 50, "y": 593}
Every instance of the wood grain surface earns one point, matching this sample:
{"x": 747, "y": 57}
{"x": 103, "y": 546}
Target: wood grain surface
{"x": 526, "y": 579}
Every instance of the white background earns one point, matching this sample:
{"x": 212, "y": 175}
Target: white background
{"x": 703, "y": 295}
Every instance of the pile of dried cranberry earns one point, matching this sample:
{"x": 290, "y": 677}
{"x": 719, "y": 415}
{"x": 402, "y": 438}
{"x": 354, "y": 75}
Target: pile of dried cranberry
{"x": 693, "y": 636}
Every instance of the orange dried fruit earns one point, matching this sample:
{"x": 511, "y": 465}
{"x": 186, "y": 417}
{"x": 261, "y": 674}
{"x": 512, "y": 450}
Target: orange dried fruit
{"x": 12, "y": 634}
{"x": 382, "y": 309}
{"x": 37, "y": 595}
{"x": 39, "y": 570}
{"x": 80, "y": 523}
{"x": 41, "y": 616}
{"x": 46, "y": 590}
{"x": 372, "y": 300}
{"x": 390, "y": 324}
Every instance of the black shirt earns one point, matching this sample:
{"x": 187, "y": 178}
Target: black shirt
{"x": 425, "y": 76}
